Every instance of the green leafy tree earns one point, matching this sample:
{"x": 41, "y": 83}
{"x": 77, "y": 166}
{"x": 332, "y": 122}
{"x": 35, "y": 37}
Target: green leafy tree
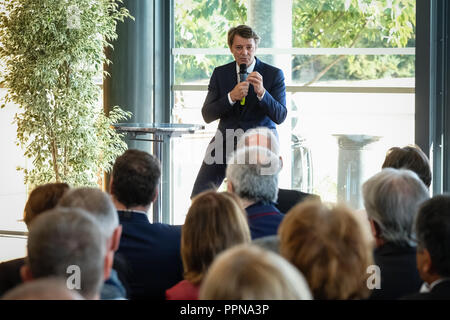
{"x": 204, "y": 24}
{"x": 353, "y": 23}
{"x": 53, "y": 52}
{"x": 315, "y": 24}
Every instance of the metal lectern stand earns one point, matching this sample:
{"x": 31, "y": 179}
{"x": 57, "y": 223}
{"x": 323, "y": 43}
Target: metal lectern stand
{"x": 161, "y": 133}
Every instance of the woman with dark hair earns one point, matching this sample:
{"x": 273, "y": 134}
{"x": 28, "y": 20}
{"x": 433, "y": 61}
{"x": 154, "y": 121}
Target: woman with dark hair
{"x": 410, "y": 157}
{"x": 41, "y": 199}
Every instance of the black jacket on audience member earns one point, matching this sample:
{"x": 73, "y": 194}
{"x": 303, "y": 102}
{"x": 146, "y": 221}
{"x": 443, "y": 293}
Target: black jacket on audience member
{"x": 152, "y": 254}
{"x": 440, "y": 291}
{"x": 10, "y": 274}
{"x": 399, "y": 275}
{"x": 289, "y": 198}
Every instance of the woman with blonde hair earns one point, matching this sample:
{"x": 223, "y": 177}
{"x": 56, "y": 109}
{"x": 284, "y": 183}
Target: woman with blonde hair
{"x": 327, "y": 244}
{"x": 248, "y": 272}
{"x": 214, "y": 223}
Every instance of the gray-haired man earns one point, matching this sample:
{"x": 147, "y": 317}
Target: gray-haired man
{"x": 392, "y": 198}
{"x": 252, "y": 174}
{"x": 101, "y": 207}
{"x": 68, "y": 243}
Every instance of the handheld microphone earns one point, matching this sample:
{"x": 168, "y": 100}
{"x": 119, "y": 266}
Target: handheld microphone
{"x": 242, "y": 77}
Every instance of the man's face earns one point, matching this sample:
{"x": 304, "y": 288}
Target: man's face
{"x": 243, "y": 50}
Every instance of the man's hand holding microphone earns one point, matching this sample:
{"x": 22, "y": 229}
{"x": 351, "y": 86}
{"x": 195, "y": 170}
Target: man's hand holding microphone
{"x": 240, "y": 91}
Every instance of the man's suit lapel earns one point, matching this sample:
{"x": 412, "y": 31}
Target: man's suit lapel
{"x": 231, "y": 76}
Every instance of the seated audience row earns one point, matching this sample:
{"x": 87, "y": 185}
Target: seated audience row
{"x": 316, "y": 251}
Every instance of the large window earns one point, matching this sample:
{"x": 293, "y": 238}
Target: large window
{"x": 349, "y": 69}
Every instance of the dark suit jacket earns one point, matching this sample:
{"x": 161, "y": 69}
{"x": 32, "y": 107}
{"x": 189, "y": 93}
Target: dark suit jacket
{"x": 399, "y": 275}
{"x": 289, "y": 198}
{"x": 263, "y": 219}
{"x": 152, "y": 252}
{"x": 441, "y": 291}
{"x": 270, "y": 110}
{"x": 10, "y": 274}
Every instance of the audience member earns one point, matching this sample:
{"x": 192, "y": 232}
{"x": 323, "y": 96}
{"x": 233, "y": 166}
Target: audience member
{"x": 152, "y": 250}
{"x": 410, "y": 157}
{"x": 433, "y": 248}
{"x": 67, "y": 243}
{"x": 42, "y": 198}
{"x": 265, "y": 138}
{"x": 214, "y": 223}
{"x": 247, "y": 272}
{"x": 392, "y": 198}
{"x": 101, "y": 207}
{"x": 252, "y": 174}
{"x": 51, "y": 288}
{"x": 271, "y": 243}
{"x": 327, "y": 244}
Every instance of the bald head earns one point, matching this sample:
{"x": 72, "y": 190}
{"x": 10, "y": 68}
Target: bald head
{"x": 52, "y": 288}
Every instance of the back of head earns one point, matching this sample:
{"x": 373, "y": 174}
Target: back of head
{"x": 95, "y": 202}
{"x": 328, "y": 246}
{"x": 244, "y": 32}
{"x": 260, "y": 137}
{"x": 410, "y": 157}
{"x": 135, "y": 178}
{"x": 392, "y": 198}
{"x": 253, "y": 173}
{"x": 433, "y": 232}
{"x": 51, "y": 288}
{"x": 247, "y": 272}
{"x": 214, "y": 222}
{"x": 68, "y": 243}
{"x": 42, "y": 198}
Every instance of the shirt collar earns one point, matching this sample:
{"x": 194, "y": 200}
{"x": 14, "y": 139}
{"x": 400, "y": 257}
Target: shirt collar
{"x": 428, "y": 287}
{"x": 249, "y": 68}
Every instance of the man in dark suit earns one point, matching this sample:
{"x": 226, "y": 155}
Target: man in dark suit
{"x": 392, "y": 198}
{"x": 151, "y": 250}
{"x": 433, "y": 249}
{"x": 260, "y": 100}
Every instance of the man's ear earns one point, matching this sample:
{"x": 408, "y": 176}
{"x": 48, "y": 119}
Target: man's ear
{"x": 426, "y": 265}
{"x": 116, "y": 238}
{"x": 156, "y": 195}
{"x": 108, "y": 263}
{"x": 110, "y": 184}
{"x": 375, "y": 228}
{"x": 229, "y": 186}
{"x": 25, "y": 273}
{"x": 281, "y": 163}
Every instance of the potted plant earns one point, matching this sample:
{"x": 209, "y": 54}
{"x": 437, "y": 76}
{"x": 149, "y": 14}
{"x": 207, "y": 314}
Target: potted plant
{"x": 53, "y": 52}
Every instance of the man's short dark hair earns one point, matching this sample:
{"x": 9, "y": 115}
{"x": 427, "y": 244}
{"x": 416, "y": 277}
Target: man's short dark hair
{"x": 243, "y": 31}
{"x": 135, "y": 178}
{"x": 433, "y": 232}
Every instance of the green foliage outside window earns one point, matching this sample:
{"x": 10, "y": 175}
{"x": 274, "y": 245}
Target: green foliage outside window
{"x": 354, "y": 24}
{"x": 204, "y": 24}
{"x": 315, "y": 24}
{"x": 53, "y": 51}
